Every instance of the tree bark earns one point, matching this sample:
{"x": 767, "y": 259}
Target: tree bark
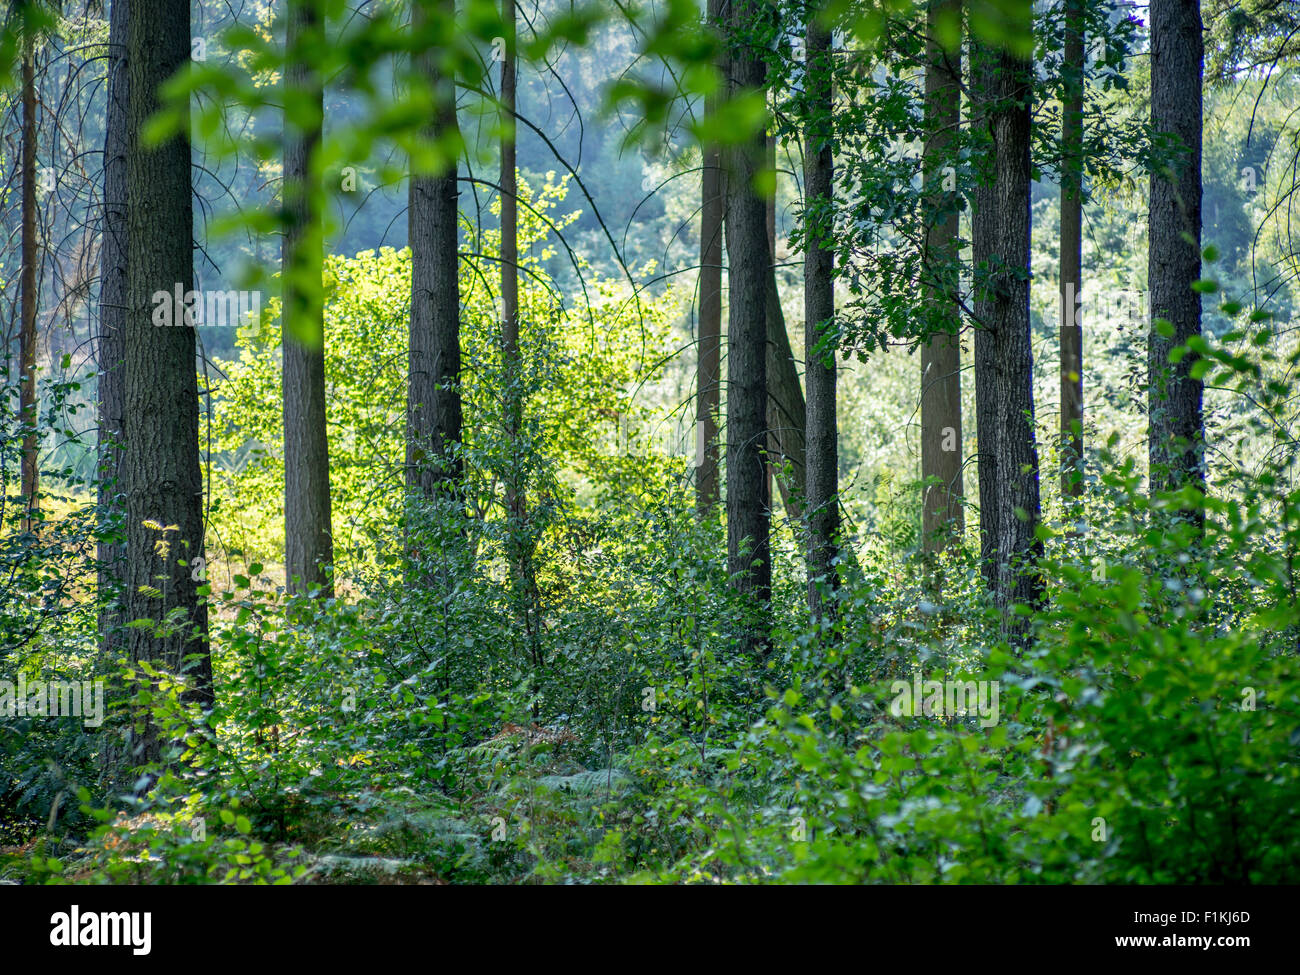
{"x": 786, "y": 410}
{"x": 749, "y": 277}
{"x": 709, "y": 355}
{"x": 819, "y": 314}
{"x": 1009, "y": 499}
{"x": 1072, "y": 255}
{"x": 942, "y": 515}
{"x": 112, "y": 327}
{"x": 160, "y": 464}
{"x": 28, "y": 410}
{"x": 1177, "y": 430}
{"x": 516, "y": 495}
{"x": 770, "y": 211}
{"x": 433, "y": 398}
{"x": 521, "y": 548}
{"x": 510, "y": 238}
{"x": 308, "y": 545}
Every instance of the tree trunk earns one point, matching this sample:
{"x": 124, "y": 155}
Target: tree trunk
{"x": 770, "y": 211}
{"x": 308, "y": 547}
{"x": 28, "y": 410}
{"x": 160, "y": 464}
{"x": 433, "y": 398}
{"x": 942, "y": 516}
{"x": 749, "y": 277}
{"x": 709, "y": 354}
{"x": 1009, "y": 499}
{"x": 819, "y": 313}
{"x": 520, "y": 544}
{"x": 1072, "y": 256}
{"x": 510, "y": 247}
{"x": 112, "y": 326}
{"x": 1177, "y": 430}
{"x": 786, "y": 412}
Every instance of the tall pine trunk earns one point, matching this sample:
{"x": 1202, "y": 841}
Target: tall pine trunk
{"x": 786, "y": 409}
{"x": 1177, "y": 429}
{"x": 709, "y": 354}
{"x": 433, "y": 366}
{"x": 819, "y": 310}
{"x": 1072, "y": 255}
{"x": 521, "y": 544}
{"x": 160, "y": 463}
{"x": 1010, "y": 508}
{"x": 516, "y": 499}
{"x": 28, "y": 410}
{"x": 749, "y": 274}
{"x": 308, "y": 546}
{"x": 110, "y": 348}
{"x": 942, "y": 515}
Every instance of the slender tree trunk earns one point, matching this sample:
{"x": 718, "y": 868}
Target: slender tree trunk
{"x": 707, "y": 385}
{"x": 160, "y": 463}
{"x": 770, "y": 211}
{"x": 943, "y": 518}
{"x": 308, "y": 545}
{"x": 775, "y": 422}
{"x": 1177, "y": 429}
{"x": 27, "y": 406}
{"x": 510, "y": 224}
{"x": 786, "y": 411}
{"x": 433, "y": 399}
{"x": 521, "y": 545}
{"x": 749, "y": 274}
{"x": 986, "y": 411}
{"x": 516, "y": 496}
{"x": 112, "y": 327}
{"x": 819, "y": 312}
{"x": 1072, "y": 255}
{"x": 1009, "y": 499}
